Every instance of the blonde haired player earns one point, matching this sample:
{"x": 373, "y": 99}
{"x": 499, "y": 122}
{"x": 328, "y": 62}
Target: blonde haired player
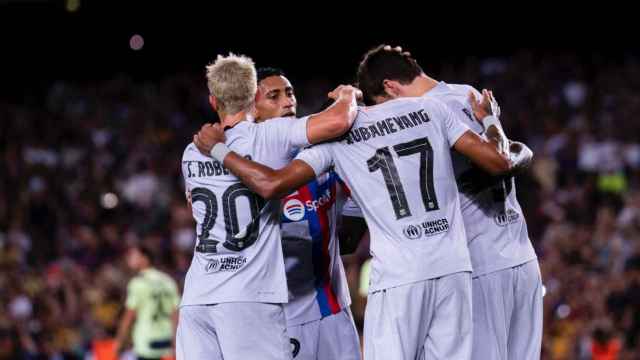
{"x": 236, "y": 285}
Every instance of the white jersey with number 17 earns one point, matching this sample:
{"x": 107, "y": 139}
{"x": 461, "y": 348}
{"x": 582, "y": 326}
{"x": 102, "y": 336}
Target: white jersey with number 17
{"x": 397, "y": 162}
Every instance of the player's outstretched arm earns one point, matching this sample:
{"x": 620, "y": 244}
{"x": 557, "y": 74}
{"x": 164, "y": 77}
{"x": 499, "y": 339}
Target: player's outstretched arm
{"x": 265, "y": 181}
{"x": 335, "y": 120}
{"x": 261, "y": 179}
{"x": 487, "y": 112}
{"x": 483, "y": 153}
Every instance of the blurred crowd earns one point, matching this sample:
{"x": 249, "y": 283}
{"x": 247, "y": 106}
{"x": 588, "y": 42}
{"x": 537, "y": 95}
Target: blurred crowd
{"x": 90, "y": 167}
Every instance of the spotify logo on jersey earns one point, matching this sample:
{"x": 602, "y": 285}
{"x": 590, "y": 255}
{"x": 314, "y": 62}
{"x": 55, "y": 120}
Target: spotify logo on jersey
{"x": 293, "y": 210}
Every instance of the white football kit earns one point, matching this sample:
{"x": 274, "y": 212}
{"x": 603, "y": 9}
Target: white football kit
{"x": 235, "y": 286}
{"x": 396, "y": 160}
{"x": 507, "y": 287}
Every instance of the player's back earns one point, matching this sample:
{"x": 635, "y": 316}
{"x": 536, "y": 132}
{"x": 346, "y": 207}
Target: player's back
{"x": 227, "y": 267}
{"x": 396, "y": 161}
{"x": 494, "y": 221}
{"x": 154, "y": 297}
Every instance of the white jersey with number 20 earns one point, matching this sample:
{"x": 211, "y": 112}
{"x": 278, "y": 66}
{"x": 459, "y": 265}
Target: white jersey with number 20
{"x": 227, "y": 267}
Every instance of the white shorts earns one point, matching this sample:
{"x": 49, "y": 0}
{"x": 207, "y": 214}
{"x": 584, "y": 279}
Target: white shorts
{"x": 331, "y": 338}
{"x": 507, "y": 314}
{"x": 430, "y": 320}
{"x": 232, "y": 331}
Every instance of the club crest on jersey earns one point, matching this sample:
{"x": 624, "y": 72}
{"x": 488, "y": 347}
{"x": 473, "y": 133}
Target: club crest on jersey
{"x": 412, "y": 232}
{"x": 504, "y": 218}
{"x": 213, "y": 265}
{"x": 293, "y": 210}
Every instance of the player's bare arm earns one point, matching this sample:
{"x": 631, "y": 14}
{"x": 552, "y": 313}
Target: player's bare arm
{"x": 267, "y": 182}
{"x": 519, "y": 154}
{"x": 328, "y": 124}
{"x": 488, "y": 106}
{"x": 483, "y": 153}
{"x": 123, "y": 329}
{"x": 261, "y": 179}
{"x": 488, "y": 155}
{"x": 337, "y": 119}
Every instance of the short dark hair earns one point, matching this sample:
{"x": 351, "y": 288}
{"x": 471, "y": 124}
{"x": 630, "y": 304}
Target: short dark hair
{"x": 145, "y": 251}
{"x": 384, "y": 63}
{"x": 265, "y": 72}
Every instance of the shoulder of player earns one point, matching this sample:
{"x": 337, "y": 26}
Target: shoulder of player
{"x": 438, "y": 102}
{"x": 166, "y": 277}
{"x": 276, "y": 122}
{"x": 453, "y": 92}
{"x": 191, "y": 152}
{"x": 455, "y": 97}
{"x": 366, "y": 113}
{"x": 136, "y": 283}
{"x": 269, "y": 127}
{"x": 463, "y": 90}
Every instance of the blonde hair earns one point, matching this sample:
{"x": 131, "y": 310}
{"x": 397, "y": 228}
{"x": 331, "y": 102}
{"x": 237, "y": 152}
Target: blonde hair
{"x": 232, "y": 80}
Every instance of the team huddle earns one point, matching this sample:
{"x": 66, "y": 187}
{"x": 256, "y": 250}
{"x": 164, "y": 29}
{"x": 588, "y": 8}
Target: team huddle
{"x": 425, "y": 163}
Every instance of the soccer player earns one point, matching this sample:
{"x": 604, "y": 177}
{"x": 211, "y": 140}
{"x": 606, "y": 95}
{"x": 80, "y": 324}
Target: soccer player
{"x": 396, "y": 160}
{"x": 318, "y": 318}
{"x": 235, "y": 287}
{"x": 507, "y": 286}
{"x": 152, "y": 302}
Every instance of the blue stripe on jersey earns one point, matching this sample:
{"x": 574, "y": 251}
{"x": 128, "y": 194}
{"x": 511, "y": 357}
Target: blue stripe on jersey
{"x": 319, "y": 228}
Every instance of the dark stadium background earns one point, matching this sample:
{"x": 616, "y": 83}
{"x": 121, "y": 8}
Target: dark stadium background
{"x": 533, "y": 55}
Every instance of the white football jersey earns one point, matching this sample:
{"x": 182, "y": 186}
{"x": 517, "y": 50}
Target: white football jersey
{"x": 227, "y": 267}
{"x": 495, "y": 225}
{"x": 396, "y": 160}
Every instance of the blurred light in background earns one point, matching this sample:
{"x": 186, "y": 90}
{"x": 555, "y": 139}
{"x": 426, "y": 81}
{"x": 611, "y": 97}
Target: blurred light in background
{"x": 136, "y": 42}
{"x": 72, "y": 5}
{"x": 109, "y": 200}
{"x": 563, "y": 311}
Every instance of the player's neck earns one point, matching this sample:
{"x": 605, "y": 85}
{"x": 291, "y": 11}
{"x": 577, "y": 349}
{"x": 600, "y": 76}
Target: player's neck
{"x": 232, "y": 120}
{"x": 425, "y": 83}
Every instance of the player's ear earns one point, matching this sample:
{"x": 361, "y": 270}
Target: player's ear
{"x": 258, "y": 94}
{"x": 213, "y": 102}
{"x": 391, "y": 88}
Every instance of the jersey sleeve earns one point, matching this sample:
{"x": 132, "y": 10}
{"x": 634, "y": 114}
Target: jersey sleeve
{"x": 284, "y": 134}
{"x": 352, "y": 209}
{"x": 453, "y": 127}
{"x": 133, "y": 295}
{"x": 319, "y": 157}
